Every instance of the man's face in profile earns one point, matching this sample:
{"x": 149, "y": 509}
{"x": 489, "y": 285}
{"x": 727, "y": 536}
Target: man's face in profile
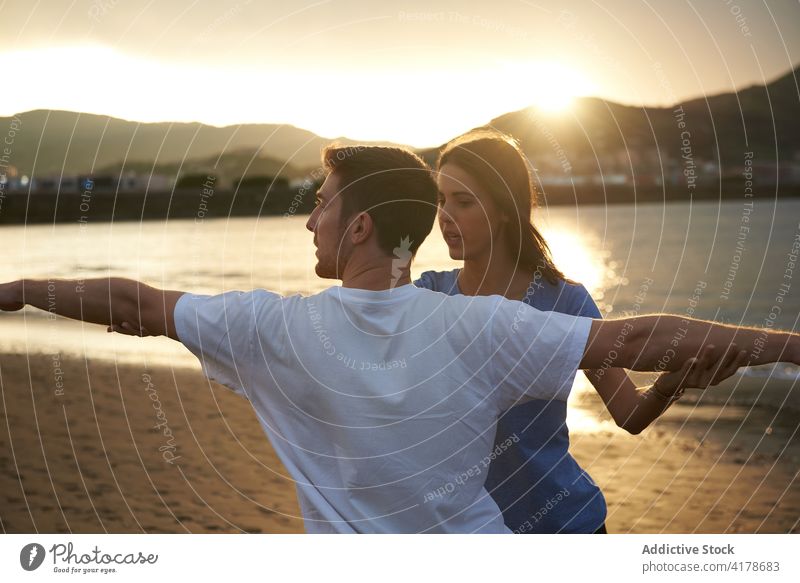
{"x": 325, "y": 222}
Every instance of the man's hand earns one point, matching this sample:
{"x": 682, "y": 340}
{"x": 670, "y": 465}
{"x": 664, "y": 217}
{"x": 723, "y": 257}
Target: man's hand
{"x": 703, "y": 371}
{"x": 10, "y": 297}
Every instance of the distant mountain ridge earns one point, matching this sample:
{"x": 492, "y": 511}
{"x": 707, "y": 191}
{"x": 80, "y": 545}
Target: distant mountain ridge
{"x": 763, "y": 120}
{"x": 595, "y": 138}
{"x": 78, "y": 143}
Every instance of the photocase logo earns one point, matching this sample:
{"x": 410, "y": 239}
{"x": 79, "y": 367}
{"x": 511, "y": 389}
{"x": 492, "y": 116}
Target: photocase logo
{"x": 402, "y": 259}
{"x": 31, "y": 556}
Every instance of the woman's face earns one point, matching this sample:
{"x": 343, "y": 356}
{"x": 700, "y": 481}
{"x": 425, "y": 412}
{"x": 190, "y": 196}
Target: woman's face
{"x": 468, "y": 217}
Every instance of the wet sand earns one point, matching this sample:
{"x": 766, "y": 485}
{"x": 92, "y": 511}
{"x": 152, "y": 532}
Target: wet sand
{"x": 702, "y": 467}
{"x": 123, "y": 448}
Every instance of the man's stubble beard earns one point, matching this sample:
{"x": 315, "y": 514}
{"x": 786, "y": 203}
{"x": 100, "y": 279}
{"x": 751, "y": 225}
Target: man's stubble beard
{"x": 333, "y": 267}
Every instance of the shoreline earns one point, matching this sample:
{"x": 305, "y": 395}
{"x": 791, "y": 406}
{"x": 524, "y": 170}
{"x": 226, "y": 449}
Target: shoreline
{"x": 37, "y": 208}
{"x": 94, "y": 458}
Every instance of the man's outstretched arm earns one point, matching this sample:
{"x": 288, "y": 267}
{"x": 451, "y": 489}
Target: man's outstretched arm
{"x": 662, "y": 342}
{"x": 108, "y": 301}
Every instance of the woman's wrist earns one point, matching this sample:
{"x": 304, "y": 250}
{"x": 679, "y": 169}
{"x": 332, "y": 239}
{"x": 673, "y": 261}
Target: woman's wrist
{"x": 666, "y": 395}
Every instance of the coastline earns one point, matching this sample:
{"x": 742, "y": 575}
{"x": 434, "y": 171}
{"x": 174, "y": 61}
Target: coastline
{"x": 22, "y": 208}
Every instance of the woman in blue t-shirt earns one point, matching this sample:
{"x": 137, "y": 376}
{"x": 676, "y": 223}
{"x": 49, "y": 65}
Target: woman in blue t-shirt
{"x": 486, "y": 195}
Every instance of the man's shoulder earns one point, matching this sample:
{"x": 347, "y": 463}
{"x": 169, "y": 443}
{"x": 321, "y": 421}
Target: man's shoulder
{"x": 257, "y": 301}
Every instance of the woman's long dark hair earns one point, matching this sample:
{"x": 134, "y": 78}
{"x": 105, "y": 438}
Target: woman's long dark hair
{"x": 497, "y": 163}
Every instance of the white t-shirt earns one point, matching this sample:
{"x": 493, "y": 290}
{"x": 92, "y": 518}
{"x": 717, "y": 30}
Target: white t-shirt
{"x": 382, "y": 404}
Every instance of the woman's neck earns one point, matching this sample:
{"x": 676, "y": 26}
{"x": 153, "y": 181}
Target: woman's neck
{"x": 498, "y": 276}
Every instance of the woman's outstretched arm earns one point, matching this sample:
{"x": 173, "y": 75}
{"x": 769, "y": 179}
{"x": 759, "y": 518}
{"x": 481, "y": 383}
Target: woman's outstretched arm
{"x": 635, "y": 409}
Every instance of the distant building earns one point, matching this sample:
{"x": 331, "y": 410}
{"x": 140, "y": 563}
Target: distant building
{"x": 132, "y": 182}
{"x": 104, "y": 183}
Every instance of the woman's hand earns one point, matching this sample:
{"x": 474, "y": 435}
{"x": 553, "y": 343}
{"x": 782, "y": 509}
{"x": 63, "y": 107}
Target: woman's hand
{"x": 702, "y": 371}
{"x": 9, "y": 297}
{"x": 128, "y": 329}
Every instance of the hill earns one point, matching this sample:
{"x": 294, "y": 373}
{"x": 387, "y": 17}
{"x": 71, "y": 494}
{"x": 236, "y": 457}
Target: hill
{"x": 80, "y": 143}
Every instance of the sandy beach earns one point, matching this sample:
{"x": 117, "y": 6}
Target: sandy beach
{"x": 98, "y": 446}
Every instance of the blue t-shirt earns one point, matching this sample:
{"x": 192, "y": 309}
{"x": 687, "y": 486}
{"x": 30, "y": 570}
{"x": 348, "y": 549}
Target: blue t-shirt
{"x": 537, "y": 484}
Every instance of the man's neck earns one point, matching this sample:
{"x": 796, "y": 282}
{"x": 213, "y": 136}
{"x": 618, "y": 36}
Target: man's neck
{"x": 375, "y": 277}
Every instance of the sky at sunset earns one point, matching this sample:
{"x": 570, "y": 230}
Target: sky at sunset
{"x": 411, "y": 72}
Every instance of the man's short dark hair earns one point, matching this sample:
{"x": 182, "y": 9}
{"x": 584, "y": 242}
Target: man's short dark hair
{"x": 393, "y": 185}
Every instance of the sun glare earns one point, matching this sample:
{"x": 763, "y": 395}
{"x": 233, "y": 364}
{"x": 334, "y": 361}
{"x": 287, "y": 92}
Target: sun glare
{"x": 551, "y": 86}
{"x": 554, "y": 102}
{"x": 574, "y": 256}
{"x": 390, "y": 106}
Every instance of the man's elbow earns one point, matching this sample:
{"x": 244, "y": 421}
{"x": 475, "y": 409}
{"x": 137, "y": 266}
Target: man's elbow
{"x": 613, "y": 344}
{"x": 154, "y": 311}
{"x": 650, "y": 341}
{"x": 123, "y": 300}
{"x": 162, "y": 312}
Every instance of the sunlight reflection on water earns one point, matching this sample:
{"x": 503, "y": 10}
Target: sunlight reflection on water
{"x": 611, "y": 250}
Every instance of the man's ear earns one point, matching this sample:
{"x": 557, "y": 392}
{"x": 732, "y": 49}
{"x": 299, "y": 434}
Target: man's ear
{"x": 361, "y": 228}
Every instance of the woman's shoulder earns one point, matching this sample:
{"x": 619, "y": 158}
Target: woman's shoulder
{"x": 441, "y": 281}
{"x": 573, "y": 288}
{"x": 580, "y": 300}
{"x": 565, "y": 296}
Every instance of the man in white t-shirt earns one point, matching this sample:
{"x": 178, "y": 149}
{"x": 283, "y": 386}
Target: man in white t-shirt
{"x": 381, "y": 398}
